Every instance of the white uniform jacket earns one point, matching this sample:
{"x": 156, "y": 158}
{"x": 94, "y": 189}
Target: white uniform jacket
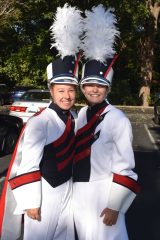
{"x": 104, "y": 151}
{"x": 44, "y": 150}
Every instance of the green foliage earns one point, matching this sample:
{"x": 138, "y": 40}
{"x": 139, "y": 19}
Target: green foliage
{"x": 25, "y": 45}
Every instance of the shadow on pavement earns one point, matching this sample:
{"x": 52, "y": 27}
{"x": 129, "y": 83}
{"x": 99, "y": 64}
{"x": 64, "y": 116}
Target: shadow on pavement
{"x": 143, "y": 217}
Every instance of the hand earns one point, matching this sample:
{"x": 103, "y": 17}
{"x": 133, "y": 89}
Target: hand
{"x": 110, "y": 216}
{"x": 34, "y": 213}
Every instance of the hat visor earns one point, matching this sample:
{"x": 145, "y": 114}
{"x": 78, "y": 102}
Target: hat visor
{"x": 64, "y": 80}
{"x": 93, "y": 80}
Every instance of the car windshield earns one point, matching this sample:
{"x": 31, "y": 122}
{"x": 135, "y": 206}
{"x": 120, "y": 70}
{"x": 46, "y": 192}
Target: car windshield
{"x": 36, "y": 96}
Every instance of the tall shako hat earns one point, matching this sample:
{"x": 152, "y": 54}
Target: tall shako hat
{"x": 65, "y": 31}
{"x": 98, "y": 46}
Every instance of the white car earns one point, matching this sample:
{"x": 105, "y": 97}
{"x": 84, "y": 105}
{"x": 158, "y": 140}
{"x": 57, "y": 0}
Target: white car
{"x": 30, "y": 103}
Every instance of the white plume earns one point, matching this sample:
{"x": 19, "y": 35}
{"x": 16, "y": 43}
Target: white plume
{"x": 66, "y": 30}
{"x": 100, "y": 34}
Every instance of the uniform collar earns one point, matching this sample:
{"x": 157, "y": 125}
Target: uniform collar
{"x": 63, "y": 114}
{"x": 92, "y": 110}
{"x": 97, "y": 107}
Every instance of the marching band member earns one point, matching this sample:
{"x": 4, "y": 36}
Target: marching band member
{"x": 104, "y": 182}
{"x": 39, "y": 179}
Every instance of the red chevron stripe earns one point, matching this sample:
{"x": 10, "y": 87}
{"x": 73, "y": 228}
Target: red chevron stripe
{"x": 82, "y": 155}
{"x": 63, "y": 164}
{"x": 84, "y": 140}
{"x": 62, "y": 138}
{"x": 67, "y": 148}
{"x": 90, "y": 123}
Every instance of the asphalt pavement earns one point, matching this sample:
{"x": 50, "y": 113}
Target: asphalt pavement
{"x": 143, "y": 217}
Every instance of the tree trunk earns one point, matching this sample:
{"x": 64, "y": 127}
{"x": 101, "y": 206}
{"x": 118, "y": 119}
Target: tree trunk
{"x": 147, "y": 48}
{"x": 145, "y": 95}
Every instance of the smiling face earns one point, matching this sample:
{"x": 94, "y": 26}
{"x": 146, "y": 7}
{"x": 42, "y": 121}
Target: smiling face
{"x": 63, "y": 95}
{"x": 94, "y": 93}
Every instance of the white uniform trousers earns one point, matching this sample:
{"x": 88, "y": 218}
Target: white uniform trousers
{"x": 56, "y": 218}
{"x": 89, "y": 200}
